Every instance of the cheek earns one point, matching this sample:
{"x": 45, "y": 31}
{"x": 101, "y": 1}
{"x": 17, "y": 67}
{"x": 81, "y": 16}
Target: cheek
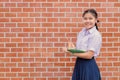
{"x": 93, "y": 21}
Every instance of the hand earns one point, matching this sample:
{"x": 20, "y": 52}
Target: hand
{"x": 64, "y": 49}
{"x": 71, "y": 45}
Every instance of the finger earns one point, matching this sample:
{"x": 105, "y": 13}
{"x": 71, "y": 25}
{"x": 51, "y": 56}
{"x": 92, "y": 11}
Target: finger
{"x": 64, "y": 49}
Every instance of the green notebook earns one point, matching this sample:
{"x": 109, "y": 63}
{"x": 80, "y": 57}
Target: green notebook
{"x": 76, "y": 51}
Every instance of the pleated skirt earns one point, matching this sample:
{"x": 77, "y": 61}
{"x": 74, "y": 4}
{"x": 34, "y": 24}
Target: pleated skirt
{"x": 86, "y": 69}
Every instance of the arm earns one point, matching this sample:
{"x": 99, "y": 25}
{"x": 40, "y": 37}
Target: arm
{"x": 87, "y": 55}
{"x": 93, "y": 47}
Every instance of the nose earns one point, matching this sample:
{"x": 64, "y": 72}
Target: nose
{"x": 87, "y": 20}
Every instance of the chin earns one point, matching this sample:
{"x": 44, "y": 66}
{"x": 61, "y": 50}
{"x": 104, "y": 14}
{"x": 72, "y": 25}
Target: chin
{"x": 88, "y": 27}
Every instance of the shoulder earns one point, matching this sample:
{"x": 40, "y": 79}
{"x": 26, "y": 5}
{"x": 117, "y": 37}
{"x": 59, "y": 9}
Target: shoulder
{"x": 96, "y": 35}
{"x": 82, "y": 31}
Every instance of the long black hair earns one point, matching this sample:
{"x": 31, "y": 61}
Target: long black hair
{"x": 94, "y": 13}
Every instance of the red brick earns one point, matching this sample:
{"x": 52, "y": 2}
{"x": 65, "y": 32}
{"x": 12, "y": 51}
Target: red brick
{"x": 65, "y": 78}
{"x": 53, "y": 69}
{"x": 40, "y": 29}
{"x": 52, "y": 78}
{"x": 107, "y": 14}
{"x": 40, "y": 10}
{"x": 107, "y": 74}
{"x": 4, "y": 20}
{"x": 35, "y": 25}
{"x": 52, "y": 10}
{"x": 22, "y": 4}
{"x": 16, "y": 0}
{"x": 116, "y": 4}
{"x": 64, "y": 10}
{"x": 23, "y": 65}
{"x": 28, "y": 70}
{"x": 1, "y": 74}
{"x": 10, "y": 5}
{"x": 113, "y": 10}
{"x": 28, "y": 0}
{"x": 10, "y": 64}
{"x": 65, "y": 0}
{"x": 95, "y": 4}
{"x": 71, "y": 4}
{"x": 4, "y": 1}
{"x": 4, "y": 49}
{"x": 108, "y": 5}
{"x": 59, "y": 74}
{"x": 16, "y": 78}
{"x": 15, "y": 9}
{"x": 11, "y": 74}
{"x": 16, "y": 60}
{"x": 22, "y": 15}
{"x": 100, "y": 0}
{"x": 116, "y": 34}
{"x": 23, "y": 74}
{"x": 113, "y": 78}
{"x": 4, "y": 9}
{"x": 116, "y": 63}
{"x": 113, "y": 19}
{"x": 116, "y": 24}
{"x": 4, "y": 78}
{"x": 59, "y": 5}
{"x": 35, "y": 65}
{"x": 47, "y": 74}
{"x": 47, "y": 4}
{"x": 40, "y": 0}
{"x": 35, "y": 75}
{"x": 112, "y": 69}
{"x": 113, "y": 1}
{"x": 40, "y": 78}
{"x": 88, "y": 1}
{"x": 11, "y": 55}
{"x": 35, "y": 5}
{"x": 71, "y": 25}
{"x": 83, "y": 5}
{"x": 4, "y": 69}
{"x": 10, "y": 15}
{"x": 47, "y": 54}
{"x": 59, "y": 34}
{"x": 28, "y": 20}
{"x": 34, "y": 14}
{"x": 47, "y": 25}
{"x": 16, "y": 50}
{"x": 41, "y": 69}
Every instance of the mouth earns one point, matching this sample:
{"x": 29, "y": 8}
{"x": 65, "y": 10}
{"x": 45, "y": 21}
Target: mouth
{"x": 87, "y": 24}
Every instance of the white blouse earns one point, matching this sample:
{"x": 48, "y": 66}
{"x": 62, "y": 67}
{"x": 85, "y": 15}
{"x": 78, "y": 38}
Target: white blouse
{"x": 89, "y": 40}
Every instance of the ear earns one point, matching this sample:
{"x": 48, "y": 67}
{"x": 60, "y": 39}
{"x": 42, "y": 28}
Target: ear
{"x": 96, "y": 21}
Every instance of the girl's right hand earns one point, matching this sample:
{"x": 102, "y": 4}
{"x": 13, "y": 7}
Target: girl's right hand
{"x": 65, "y": 49}
{"x": 71, "y": 45}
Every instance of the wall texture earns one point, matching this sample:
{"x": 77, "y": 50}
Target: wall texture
{"x": 32, "y": 33}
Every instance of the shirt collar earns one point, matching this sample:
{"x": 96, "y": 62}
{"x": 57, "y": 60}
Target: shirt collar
{"x": 90, "y": 30}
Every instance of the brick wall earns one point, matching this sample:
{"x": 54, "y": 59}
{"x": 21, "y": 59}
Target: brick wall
{"x": 32, "y": 33}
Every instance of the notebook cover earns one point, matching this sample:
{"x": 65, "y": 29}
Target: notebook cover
{"x": 76, "y": 51}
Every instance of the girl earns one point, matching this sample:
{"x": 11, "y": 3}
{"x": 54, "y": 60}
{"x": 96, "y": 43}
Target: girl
{"x": 89, "y": 40}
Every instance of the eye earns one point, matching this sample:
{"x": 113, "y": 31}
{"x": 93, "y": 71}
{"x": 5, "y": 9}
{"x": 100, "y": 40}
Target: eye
{"x": 85, "y": 18}
{"x": 90, "y": 18}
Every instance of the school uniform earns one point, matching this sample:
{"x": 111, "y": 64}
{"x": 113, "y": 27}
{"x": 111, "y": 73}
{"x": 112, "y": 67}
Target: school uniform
{"x": 87, "y": 69}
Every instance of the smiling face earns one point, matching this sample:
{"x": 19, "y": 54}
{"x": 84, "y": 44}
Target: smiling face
{"x": 89, "y": 20}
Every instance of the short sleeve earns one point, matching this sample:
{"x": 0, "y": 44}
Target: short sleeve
{"x": 95, "y": 44}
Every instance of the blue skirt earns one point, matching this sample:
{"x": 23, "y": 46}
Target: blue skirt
{"x": 86, "y": 69}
